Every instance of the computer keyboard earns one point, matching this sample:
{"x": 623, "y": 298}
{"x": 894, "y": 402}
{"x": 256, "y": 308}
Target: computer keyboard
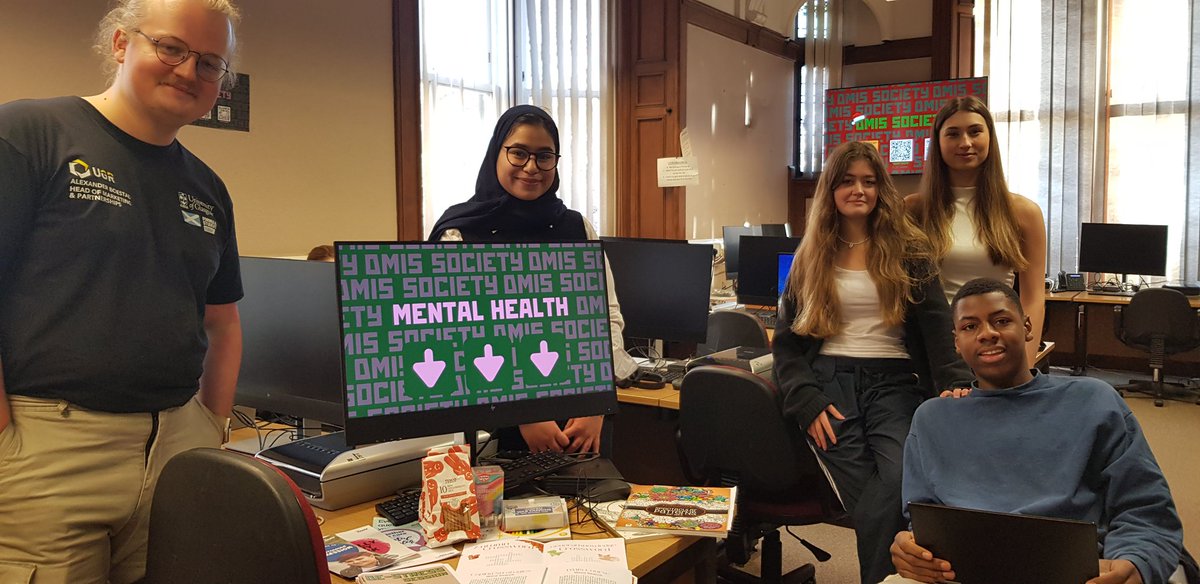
{"x": 403, "y": 509}
{"x": 669, "y": 373}
{"x": 521, "y": 467}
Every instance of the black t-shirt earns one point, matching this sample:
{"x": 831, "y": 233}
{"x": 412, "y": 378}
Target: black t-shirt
{"x": 110, "y": 248}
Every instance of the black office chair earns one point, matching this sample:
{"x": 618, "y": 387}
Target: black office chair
{"x": 732, "y": 432}
{"x": 732, "y": 328}
{"x": 1161, "y": 322}
{"x": 220, "y": 516}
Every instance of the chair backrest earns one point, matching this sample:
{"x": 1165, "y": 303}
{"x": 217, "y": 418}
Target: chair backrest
{"x": 1160, "y": 312}
{"x": 730, "y": 421}
{"x": 733, "y": 328}
{"x": 220, "y": 516}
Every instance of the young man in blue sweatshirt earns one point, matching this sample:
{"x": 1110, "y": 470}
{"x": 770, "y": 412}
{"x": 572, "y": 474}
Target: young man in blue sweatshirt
{"x": 1022, "y": 442}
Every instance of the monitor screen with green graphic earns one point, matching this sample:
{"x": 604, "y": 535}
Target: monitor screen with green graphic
{"x": 451, "y": 337}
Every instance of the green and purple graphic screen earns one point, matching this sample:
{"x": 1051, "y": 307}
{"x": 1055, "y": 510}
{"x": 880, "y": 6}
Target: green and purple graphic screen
{"x": 451, "y": 337}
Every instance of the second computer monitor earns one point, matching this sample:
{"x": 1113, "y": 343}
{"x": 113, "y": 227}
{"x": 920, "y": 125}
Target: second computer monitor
{"x": 291, "y": 339}
{"x": 1112, "y": 248}
{"x": 663, "y": 287}
{"x": 758, "y": 271}
{"x": 731, "y": 239}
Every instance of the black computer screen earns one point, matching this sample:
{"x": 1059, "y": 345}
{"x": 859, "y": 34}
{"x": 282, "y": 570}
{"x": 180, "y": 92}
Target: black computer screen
{"x": 291, "y": 339}
{"x": 447, "y": 337}
{"x": 731, "y": 237}
{"x": 773, "y": 229}
{"x": 758, "y": 272}
{"x": 663, "y": 287}
{"x": 1113, "y": 248}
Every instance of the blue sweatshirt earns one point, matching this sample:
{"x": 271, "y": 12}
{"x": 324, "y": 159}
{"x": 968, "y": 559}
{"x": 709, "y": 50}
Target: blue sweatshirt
{"x": 1064, "y": 447}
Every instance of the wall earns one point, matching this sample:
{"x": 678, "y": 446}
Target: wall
{"x": 319, "y": 161}
{"x": 743, "y": 169}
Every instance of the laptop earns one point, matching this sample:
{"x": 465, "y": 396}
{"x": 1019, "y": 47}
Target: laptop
{"x": 986, "y": 547}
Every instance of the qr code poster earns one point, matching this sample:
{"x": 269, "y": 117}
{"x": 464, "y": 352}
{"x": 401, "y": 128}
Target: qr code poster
{"x": 900, "y": 150}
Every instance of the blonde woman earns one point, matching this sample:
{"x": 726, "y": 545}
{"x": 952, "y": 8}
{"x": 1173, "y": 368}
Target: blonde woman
{"x": 864, "y": 336}
{"x": 977, "y": 228}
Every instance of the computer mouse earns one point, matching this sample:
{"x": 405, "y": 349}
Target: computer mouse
{"x": 606, "y": 490}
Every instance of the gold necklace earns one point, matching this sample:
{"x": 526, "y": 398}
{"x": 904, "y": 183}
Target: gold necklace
{"x": 851, "y": 244}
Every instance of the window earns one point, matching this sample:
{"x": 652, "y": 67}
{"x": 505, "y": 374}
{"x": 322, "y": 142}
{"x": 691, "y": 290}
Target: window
{"x": 476, "y": 63}
{"x": 1098, "y": 131}
{"x": 1147, "y": 118}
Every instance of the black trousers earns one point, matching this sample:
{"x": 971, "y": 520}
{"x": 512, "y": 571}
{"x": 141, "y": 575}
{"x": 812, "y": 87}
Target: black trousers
{"x": 878, "y": 398}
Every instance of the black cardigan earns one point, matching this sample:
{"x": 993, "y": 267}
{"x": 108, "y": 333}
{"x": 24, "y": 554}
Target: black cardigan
{"x": 928, "y": 337}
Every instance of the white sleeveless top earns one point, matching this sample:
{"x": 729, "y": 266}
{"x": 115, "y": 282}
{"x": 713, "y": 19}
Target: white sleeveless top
{"x": 967, "y": 257}
{"x": 864, "y": 334}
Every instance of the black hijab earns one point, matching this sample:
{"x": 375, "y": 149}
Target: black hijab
{"x": 493, "y": 214}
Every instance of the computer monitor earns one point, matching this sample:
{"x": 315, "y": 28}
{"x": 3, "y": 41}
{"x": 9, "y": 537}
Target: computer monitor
{"x": 447, "y": 337}
{"x": 758, "y": 272}
{"x": 1113, "y": 248}
{"x": 785, "y": 268}
{"x": 731, "y": 238}
{"x": 291, "y": 355}
{"x": 663, "y": 287}
{"x": 773, "y": 230}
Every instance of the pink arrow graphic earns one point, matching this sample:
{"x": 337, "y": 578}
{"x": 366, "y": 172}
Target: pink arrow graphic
{"x": 489, "y": 365}
{"x": 544, "y": 360}
{"x": 429, "y": 370}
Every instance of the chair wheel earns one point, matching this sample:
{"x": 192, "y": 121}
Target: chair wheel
{"x": 1158, "y": 403}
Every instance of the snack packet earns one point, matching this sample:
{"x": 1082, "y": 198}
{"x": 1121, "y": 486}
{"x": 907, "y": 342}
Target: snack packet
{"x": 449, "y": 510}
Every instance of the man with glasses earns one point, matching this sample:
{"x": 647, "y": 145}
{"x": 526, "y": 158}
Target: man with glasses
{"x": 119, "y": 337}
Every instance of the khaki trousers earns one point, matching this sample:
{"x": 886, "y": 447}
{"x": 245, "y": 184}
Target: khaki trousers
{"x": 76, "y": 487}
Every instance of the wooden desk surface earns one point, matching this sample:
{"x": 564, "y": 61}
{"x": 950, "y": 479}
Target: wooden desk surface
{"x": 644, "y": 556}
{"x": 642, "y": 397}
{"x": 1086, "y": 297}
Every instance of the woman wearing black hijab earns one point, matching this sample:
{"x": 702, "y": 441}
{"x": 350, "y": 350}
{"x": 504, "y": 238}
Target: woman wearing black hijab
{"x": 516, "y": 200}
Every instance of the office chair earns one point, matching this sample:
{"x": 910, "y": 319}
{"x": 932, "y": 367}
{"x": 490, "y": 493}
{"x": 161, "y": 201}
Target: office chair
{"x": 732, "y": 432}
{"x": 221, "y": 516}
{"x": 732, "y": 328}
{"x": 1160, "y": 321}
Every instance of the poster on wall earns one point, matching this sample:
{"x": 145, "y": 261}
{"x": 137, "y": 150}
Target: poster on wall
{"x": 232, "y": 110}
{"x": 896, "y": 119}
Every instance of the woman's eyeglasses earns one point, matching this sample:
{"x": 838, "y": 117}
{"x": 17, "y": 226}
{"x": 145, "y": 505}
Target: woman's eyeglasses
{"x": 519, "y": 157}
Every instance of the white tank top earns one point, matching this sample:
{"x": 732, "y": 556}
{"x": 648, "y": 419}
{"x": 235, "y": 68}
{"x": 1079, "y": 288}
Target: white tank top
{"x": 864, "y": 334}
{"x": 967, "y": 257}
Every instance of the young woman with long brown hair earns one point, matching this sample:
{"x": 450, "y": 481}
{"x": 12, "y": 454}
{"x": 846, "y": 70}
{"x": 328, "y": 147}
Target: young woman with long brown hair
{"x": 978, "y": 229}
{"x": 863, "y": 337}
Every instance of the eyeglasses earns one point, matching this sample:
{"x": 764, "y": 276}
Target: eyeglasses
{"x": 172, "y": 51}
{"x": 519, "y": 157}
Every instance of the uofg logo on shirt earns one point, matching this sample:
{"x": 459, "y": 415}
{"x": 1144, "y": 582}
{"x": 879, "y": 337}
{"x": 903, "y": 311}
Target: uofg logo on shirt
{"x": 82, "y": 169}
{"x": 197, "y": 213}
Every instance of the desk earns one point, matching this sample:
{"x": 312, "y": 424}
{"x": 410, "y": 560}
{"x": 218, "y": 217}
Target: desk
{"x": 657, "y": 561}
{"x": 1082, "y": 325}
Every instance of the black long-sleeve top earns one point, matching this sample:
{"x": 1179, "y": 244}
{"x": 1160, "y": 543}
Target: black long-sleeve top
{"x": 928, "y": 337}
